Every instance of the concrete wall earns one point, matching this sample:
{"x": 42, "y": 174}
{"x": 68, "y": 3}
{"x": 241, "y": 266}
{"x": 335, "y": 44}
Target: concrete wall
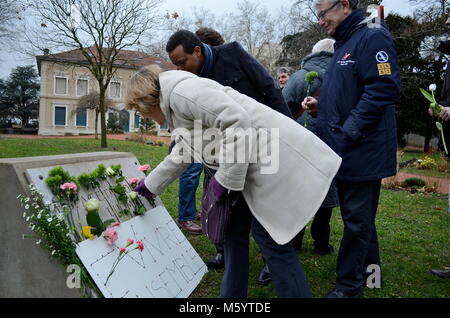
{"x": 26, "y": 269}
{"x": 418, "y": 141}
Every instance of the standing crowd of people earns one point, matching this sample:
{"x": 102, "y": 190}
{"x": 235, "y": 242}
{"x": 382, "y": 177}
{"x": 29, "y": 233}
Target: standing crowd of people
{"x": 336, "y": 141}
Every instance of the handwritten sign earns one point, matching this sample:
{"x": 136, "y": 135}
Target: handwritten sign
{"x": 168, "y": 267}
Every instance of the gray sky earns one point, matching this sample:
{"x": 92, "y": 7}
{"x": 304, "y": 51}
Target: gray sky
{"x": 9, "y": 60}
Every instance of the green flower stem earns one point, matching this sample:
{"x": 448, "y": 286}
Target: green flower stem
{"x": 113, "y": 268}
{"x": 114, "y": 211}
{"x": 443, "y": 141}
{"x": 307, "y": 94}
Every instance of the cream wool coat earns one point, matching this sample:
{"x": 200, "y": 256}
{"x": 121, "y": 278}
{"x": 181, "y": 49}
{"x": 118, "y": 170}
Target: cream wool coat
{"x": 284, "y": 201}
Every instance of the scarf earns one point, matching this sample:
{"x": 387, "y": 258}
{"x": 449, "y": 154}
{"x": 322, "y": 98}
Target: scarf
{"x": 207, "y": 66}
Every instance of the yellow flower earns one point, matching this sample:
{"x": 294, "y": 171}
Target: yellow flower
{"x": 86, "y": 232}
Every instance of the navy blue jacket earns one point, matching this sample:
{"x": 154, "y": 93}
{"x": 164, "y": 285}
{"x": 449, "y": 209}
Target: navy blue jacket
{"x": 234, "y": 67}
{"x": 356, "y": 116}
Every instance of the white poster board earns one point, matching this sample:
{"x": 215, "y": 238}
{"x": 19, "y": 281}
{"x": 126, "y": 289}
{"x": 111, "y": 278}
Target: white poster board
{"x": 168, "y": 267}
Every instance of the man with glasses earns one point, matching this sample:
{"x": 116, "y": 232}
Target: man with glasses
{"x": 356, "y": 118}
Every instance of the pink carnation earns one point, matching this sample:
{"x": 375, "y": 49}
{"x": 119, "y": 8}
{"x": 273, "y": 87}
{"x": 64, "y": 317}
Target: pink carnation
{"x": 133, "y": 181}
{"x": 144, "y": 168}
{"x": 130, "y": 241}
{"x": 122, "y": 250}
{"x": 140, "y": 245}
{"x": 111, "y": 235}
{"x": 115, "y": 224}
{"x": 69, "y": 186}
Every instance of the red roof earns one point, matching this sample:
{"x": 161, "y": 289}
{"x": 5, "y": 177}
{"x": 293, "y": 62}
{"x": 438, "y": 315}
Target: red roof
{"x": 124, "y": 59}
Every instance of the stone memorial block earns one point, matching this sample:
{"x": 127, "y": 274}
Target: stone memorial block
{"x": 170, "y": 265}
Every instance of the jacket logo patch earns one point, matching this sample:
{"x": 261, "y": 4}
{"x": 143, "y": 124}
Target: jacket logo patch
{"x": 382, "y": 57}
{"x": 345, "y": 60}
{"x": 384, "y": 69}
{"x": 346, "y": 56}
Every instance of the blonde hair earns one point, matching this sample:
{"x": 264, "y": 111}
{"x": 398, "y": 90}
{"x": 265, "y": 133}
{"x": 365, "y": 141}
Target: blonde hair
{"x": 143, "y": 89}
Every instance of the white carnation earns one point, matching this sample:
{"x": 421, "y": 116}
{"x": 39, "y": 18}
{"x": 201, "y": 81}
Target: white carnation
{"x": 92, "y": 205}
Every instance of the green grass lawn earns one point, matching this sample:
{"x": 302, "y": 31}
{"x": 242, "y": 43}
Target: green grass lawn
{"x": 413, "y": 230}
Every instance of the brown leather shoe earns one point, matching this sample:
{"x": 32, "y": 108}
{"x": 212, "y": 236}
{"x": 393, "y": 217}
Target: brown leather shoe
{"x": 190, "y": 227}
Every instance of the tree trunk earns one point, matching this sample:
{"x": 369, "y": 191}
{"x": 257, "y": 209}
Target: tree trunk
{"x": 96, "y": 124}
{"x": 102, "y": 116}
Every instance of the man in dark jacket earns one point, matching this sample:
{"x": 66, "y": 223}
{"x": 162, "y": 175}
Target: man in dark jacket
{"x": 231, "y": 65}
{"x": 356, "y": 118}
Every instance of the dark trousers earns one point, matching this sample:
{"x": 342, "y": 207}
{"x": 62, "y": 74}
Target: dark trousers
{"x": 320, "y": 230}
{"x": 287, "y": 273}
{"x": 359, "y": 244}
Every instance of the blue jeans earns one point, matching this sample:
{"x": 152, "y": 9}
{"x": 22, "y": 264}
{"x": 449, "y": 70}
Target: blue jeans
{"x": 189, "y": 181}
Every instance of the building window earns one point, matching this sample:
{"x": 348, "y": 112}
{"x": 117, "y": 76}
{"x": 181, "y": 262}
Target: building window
{"x": 82, "y": 87}
{"x": 114, "y": 90}
{"x": 137, "y": 121}
{"x": 81, "y": 119}
{"x": 60, "y": 85}
{"x": 60, "y": 115}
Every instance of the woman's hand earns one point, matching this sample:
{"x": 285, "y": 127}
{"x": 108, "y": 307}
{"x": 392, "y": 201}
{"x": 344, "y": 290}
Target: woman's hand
{"x": 143, "y": 191}
{"x": 309, "y": 104}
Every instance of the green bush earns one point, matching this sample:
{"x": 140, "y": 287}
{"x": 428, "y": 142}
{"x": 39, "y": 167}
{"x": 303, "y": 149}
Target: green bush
{"x": 113, "y": 124}
{"x": 414, "y": 182}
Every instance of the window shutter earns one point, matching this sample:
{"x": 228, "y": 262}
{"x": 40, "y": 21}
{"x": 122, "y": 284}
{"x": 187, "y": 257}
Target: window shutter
{"x": 82, "y": 119}
{"x": 61, "y": 85}
{"x": 60, "y": 116}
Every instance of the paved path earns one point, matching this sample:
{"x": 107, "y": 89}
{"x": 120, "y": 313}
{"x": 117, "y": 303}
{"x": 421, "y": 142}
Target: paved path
{"x": 109, "y": 136}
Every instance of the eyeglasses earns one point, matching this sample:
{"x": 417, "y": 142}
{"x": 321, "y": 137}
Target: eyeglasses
{"x": 322, "y": 14}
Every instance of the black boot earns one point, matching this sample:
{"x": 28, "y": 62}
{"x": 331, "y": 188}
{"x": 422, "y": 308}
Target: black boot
{"x": 265, "y": 277}
{"x": 217, "y": 262}
{"x": 322, "y": 251}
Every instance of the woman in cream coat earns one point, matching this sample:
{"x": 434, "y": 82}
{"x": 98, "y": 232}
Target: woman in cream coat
{"x": 284, "y": 178}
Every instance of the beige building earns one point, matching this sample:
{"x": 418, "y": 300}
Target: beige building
{"x": 64, "y": 81}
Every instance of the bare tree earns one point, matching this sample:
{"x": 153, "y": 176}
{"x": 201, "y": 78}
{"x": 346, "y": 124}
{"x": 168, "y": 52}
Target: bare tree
{"x": 155, "y": 42}
{"x": 442, "y": 7}
{"x": 255, "y": 27}
{"x": 11, "y": 11}
{"x": 98, "y": 29}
